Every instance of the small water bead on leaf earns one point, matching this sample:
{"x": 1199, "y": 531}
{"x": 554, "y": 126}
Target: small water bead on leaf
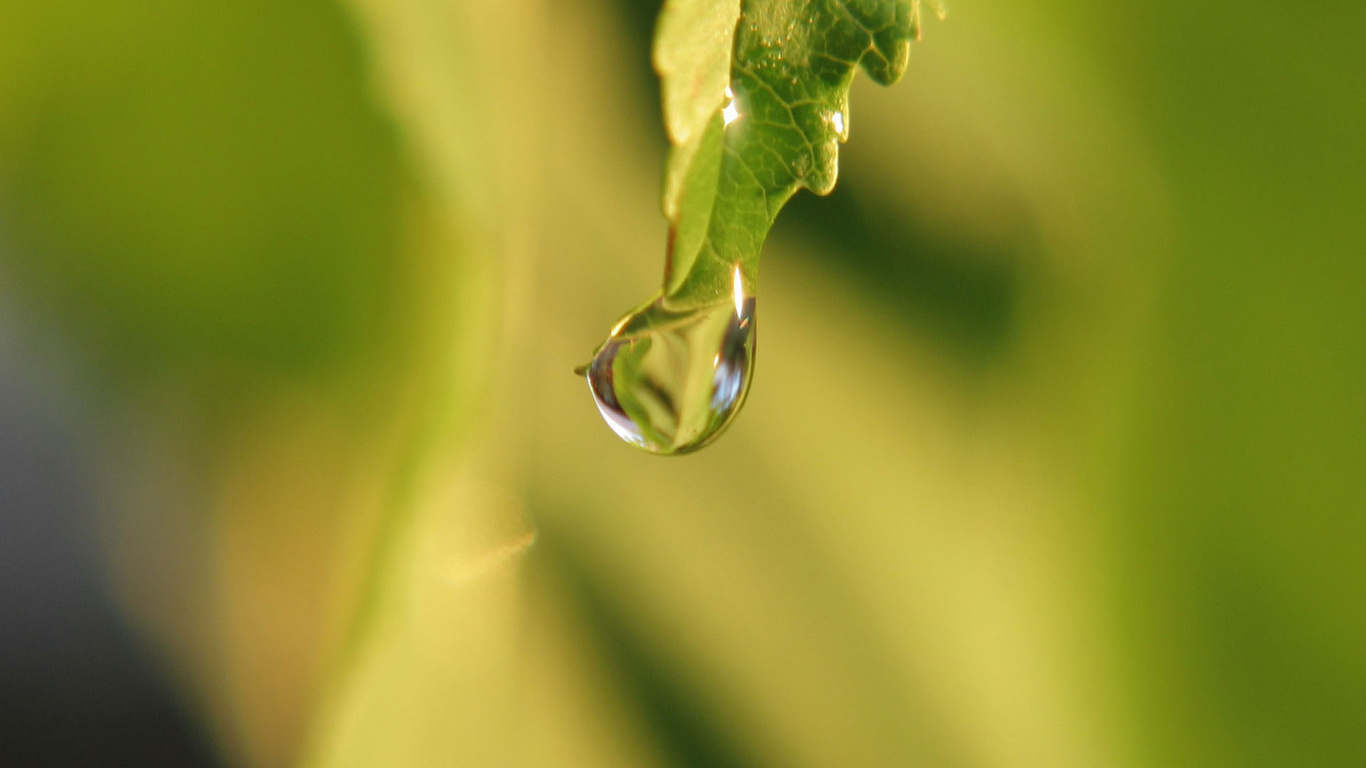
{"x": 671, "y": 379}
{"x": 730, "y": 111}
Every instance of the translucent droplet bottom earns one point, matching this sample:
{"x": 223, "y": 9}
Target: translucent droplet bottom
{"x": 671, "y": 380}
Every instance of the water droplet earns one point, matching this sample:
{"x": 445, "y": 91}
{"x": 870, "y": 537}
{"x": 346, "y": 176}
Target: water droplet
{"x": 837, "y": 121}
{"x": 670, "y": 380}
{"x": 730, "y": 112}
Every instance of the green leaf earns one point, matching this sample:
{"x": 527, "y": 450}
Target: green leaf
{"x": 744, "y": 143}
{"x": 692, "y": 56}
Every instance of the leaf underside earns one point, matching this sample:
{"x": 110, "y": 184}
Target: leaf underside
{"x": 756, "y": 113}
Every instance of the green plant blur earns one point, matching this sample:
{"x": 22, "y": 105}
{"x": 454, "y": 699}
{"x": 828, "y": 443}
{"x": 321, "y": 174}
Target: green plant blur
{"x": 1055, "y": 458}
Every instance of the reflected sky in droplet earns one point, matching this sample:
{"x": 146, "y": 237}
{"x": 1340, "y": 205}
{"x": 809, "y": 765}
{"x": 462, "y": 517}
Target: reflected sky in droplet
{"x": 606, "y": 399}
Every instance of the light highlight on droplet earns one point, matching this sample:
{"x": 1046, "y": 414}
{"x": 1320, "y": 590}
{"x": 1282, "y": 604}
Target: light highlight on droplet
{"x": 730, "y": 112}
{"x": 738, "y": 291}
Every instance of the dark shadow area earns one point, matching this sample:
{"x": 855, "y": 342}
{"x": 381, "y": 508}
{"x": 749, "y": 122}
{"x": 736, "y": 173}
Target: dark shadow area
{"x": 75, "y": 690}
{"x": 962, "y": 294}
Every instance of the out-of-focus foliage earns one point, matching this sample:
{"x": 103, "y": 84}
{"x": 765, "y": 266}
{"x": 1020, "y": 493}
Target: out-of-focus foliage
{"x": 1054, "y": 459}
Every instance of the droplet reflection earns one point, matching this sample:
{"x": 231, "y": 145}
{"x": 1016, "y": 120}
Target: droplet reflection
{"x": 670, "y": 380}
{"x": 730, "y": 112}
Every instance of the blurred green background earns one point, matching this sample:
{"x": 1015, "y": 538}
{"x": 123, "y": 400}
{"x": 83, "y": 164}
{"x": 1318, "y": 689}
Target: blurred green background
{"x": 1054, "y": 455}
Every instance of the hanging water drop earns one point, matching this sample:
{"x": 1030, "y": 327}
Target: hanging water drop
{"x": 669, "y": 379}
